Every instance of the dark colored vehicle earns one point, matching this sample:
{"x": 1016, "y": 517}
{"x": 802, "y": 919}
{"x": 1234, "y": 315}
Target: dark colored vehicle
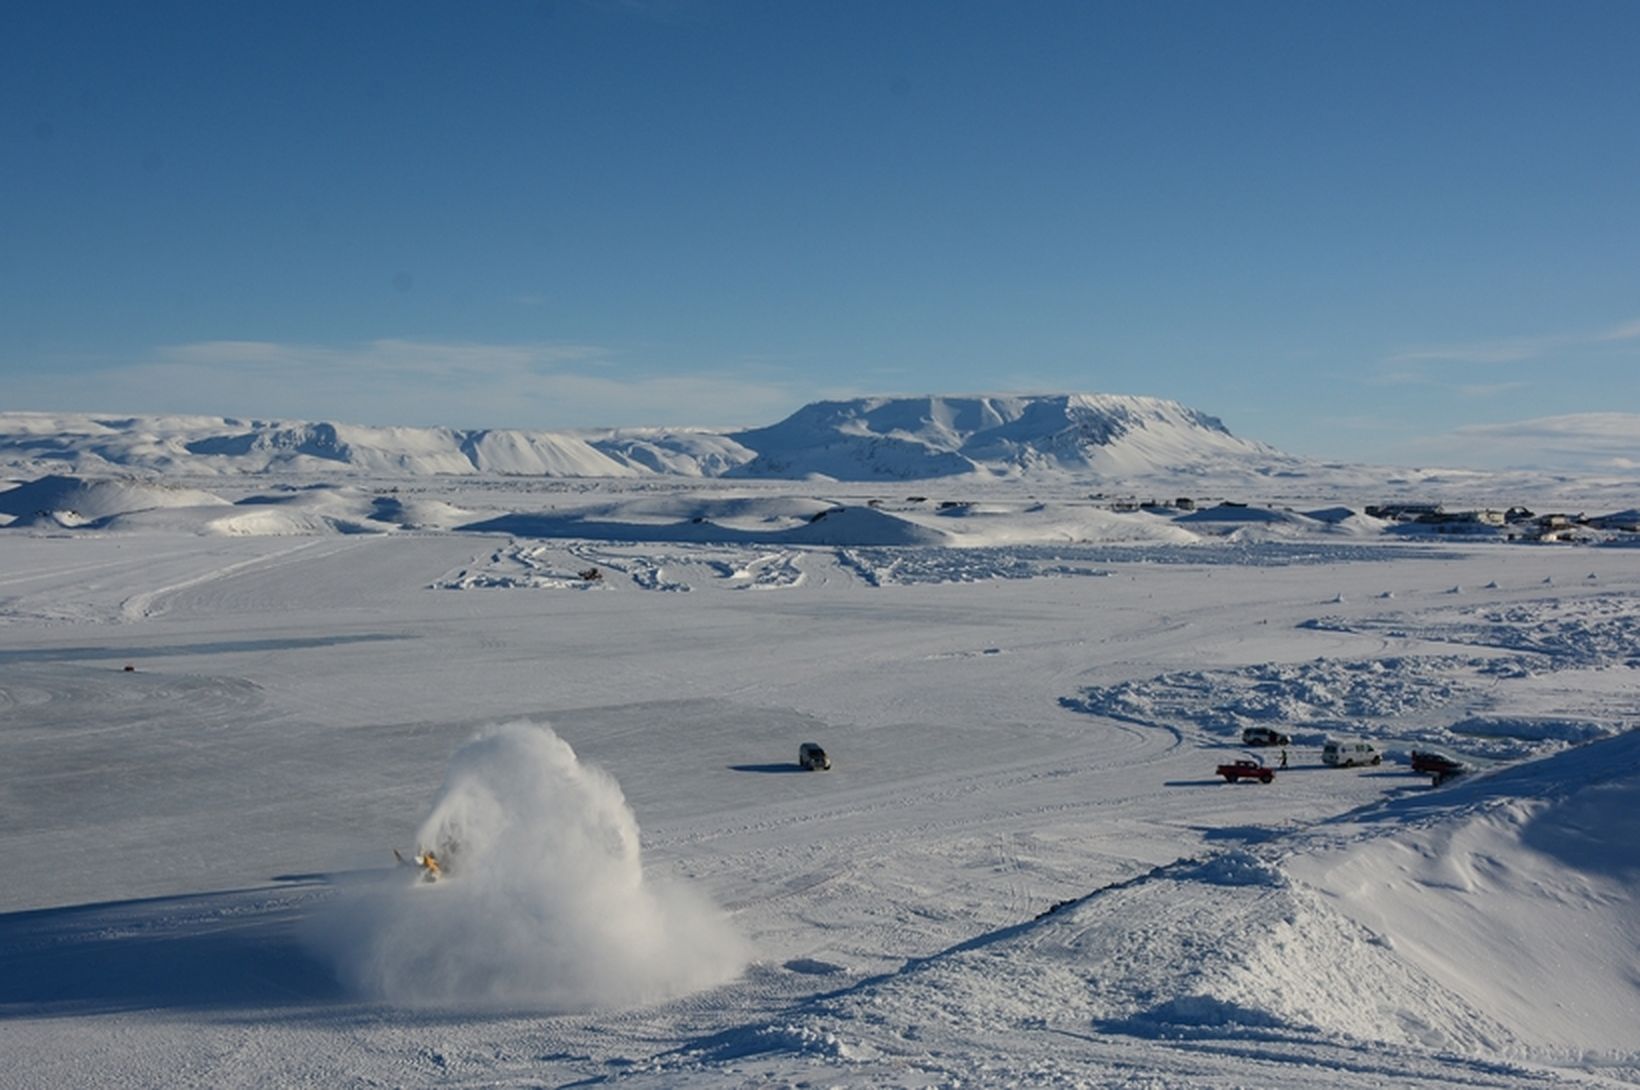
{"x": 1245, "y": 770}
{"x": 813, "y": 758}
{"x": 1439, "y": 765}
{"x": 1264, "y": 736}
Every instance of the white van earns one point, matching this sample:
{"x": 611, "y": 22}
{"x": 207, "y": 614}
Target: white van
{"x": 1345, "y": 754}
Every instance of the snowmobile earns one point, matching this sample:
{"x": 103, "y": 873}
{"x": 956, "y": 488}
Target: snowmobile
{"x": 428, "y": 863}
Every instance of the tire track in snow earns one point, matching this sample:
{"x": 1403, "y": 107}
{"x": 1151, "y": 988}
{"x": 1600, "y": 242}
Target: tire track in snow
{"x": 142, "y": 605}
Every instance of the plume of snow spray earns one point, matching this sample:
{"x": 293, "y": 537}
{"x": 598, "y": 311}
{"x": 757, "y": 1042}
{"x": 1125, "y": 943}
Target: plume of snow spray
{"x": 544, "y": 900}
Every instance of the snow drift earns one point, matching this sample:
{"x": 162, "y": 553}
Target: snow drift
{"x": 1514, "y": 892}
{"x": 545, "y": 903}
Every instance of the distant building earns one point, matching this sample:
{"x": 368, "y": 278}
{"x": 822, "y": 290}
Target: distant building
{"x": 1555, "y": 527}
{"x": 1462, "y": 521}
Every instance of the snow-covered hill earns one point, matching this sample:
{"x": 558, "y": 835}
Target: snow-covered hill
{"x": 865, "y": 439}
{"x": 204, "y": 445}
{"x": 70, "y": 501}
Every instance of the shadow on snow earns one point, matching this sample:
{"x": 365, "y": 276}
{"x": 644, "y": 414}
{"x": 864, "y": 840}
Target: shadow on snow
{"x": 225, "y": 951}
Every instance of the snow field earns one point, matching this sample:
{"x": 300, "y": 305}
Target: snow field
{"x": 182, "y": 832}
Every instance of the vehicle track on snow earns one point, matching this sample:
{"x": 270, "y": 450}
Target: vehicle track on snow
{"x": 145, "y": 604}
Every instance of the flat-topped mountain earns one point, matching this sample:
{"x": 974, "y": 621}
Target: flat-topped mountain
{"x": 1062, "y": 435}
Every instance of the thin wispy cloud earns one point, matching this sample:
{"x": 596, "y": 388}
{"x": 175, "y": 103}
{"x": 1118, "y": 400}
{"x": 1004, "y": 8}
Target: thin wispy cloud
{"x": 1508, "y": 350}
{"x": 1573, "y": 441}
{"x": 1628, "y": 331}
{"x": 1361, "y": 422}
{"x": 1515, "y": 349}
{"x": 1399, "y": 376}
{"x": 1491, "y": 389}
{"x": 453, "y": 360}
{"x": 1611, "y": 432}
{"x": 394, "y": 381}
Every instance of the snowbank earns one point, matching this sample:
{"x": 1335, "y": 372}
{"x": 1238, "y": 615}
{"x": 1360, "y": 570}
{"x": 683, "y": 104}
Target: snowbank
{"x": 1516, "y": 895}
{"x": 1534, "y": 728}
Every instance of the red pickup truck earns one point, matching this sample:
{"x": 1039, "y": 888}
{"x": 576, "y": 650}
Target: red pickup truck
{"x": 1246, "y": 770}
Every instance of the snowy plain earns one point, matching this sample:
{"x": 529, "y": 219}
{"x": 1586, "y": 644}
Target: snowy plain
{"x": 224, "y": 703}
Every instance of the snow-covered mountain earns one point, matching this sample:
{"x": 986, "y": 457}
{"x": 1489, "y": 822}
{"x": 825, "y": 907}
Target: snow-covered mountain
{"x": 1060, "y": 434}
{"x": 85, "y": 443}
{"x": 1093, "y": 435}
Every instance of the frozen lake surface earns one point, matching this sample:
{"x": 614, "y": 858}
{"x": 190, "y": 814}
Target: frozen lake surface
{"x": 1022, "y": 869}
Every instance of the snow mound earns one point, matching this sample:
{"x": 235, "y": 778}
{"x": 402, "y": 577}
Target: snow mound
{"x": 856, "y": 525}
{"x": 1242, "y": 513}
{"x": 988, "y": 524}
{"x": 311, "y": 510}
{"x": 74, "y": 501}
{"x": 418, "y": 514}
{"x": 764, "y": 521}
{"x": 1243, "y": 523}
{"x": 1514, "y": 892}
{"x": 290, "y": 512}
{"x": 545, "y": 903}
{"x": 1535, "y": 728}
{"x": 1219, "y": 947}
{"x": 1231, "y": 868}
{"x": 1228, "y": 944}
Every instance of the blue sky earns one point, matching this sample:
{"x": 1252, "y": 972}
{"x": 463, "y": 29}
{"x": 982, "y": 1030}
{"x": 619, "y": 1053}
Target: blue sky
{"x": 1369, "y": 232}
